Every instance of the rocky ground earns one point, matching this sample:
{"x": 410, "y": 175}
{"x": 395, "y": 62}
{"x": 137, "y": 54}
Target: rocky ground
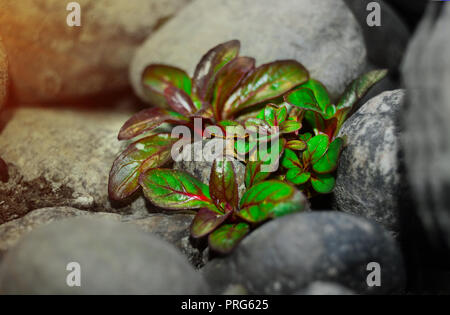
{"x": 65, "y": 93}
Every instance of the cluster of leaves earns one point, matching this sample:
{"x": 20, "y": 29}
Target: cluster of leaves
{"x": 223, "y": 87}
{"x": 277, "y": 100}
{"x": 3, "y": 171}
{"x": 221, "y": 216}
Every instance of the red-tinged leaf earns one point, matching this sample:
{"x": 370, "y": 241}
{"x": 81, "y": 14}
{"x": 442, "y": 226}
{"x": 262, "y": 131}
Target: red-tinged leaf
{"x": 264, "y": 83}
{"x": 210, "y": 65}
{"x": 359, "y": 87}
{"x": 296, "y": 145}
{"x": 253, "y": 173}
{"x": 179, "y": 101}
{"x": 174, "y": 189}
{"x": 320, "y": 93}
{"x": 223, "y": 185}
{"x": 297, "y": 176}
{"x": 227, "y": 237}
{"x": 323, "y": 183}
{"x": 206, "y": 221}
{"x": 317, "y": 146}
{"x": 270, "y": 199}
{"x": 328, "y": 163}
{"x": 228, "y": 80}
{"x": 274, "y": 115}
{"x": 149, "y": 119}
{"x": 157, "y": 78}
{"x": 146, "y": 153}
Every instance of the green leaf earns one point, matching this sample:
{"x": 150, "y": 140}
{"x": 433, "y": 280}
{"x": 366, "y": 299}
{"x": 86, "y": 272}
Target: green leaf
{"x": 173, "y": 189}
{"x": 359, "y": 87}
{"x": 253, "y": 173}
{"x": 146, "y": 153}
{"x": 270, "y": 199}
{"x": 323, "y": 183}
{"x": 317, "y": 146}
{"x": 223, "y": 185}
{"x": 228, "y": 79}
{"x": 296, "y": 145}
{"x": 149, "y": 119}
{"x": 206, "y": 221}
{"x": 290, "y": 159}
{"x": 210, "y": 65}
{"x": 328, "y": 163}
{"x": 298, "y": 176}
{"x": 264, "y": 83}
{"x": 290, "y": 126}
{"x": 320, "y": 93}
{"x": 157, "y": 78}
{"x": 273, "y": 115}
{"x": 225, "y": 238}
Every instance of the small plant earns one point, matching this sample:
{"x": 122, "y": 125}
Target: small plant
{"x": 221, "y": 216}
{"x": 224, "y": 86}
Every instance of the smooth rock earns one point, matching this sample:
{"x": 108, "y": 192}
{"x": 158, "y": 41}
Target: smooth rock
{"x": 199, "y": 164}
{"x": 4, "y": 77}
{"x": 325, "y": 288}
{"x": 387, "y": 43}
{"x": 368, "y": 179}
{"x": 173, "y": 228}
{"x": 322, "y": 35}
{"x": 113, "y": 258}
{"x": 60, "y": 158}
{"x": 51, "y": 61}
{"x": 285, "y": 255}
{"x": 426, "y": 73}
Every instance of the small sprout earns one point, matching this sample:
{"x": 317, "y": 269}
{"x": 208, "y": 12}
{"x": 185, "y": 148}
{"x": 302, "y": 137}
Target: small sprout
{"x": 313, "y": 168}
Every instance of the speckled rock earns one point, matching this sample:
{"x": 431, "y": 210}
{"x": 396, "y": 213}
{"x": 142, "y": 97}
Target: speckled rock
{"x": 323, "y": 35}
{"x": 173, "y": 228}
{"x": 427, "y": 131}
{"x": 387, "y": 43}
{"x": 285, "y": 255}
{"x": 60, "y": 158}
{"x": 200, "y": 167}
{"x": 369, "y": 175}
{"x": 4, "y": 78}
{"x": 51, "y": 61}
{"x": 325, "y": 288}
{"x": 113, "y": 258}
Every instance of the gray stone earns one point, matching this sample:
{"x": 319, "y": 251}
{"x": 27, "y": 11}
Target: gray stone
{"x": 199, "y": 165}
{"x": 114, "y": 258}
{"x": 173, "y": 228}
{"x": 60, "y": 158}
{"x": 4, "y": 78}
{"x": 369, "y": 174}
{"x": 322, "y": 35}
{"x": 426, "y": 73}
{"x": 285, "y": 255}
{"x": 325, "y": 288}
{"x": 51, "y": 61}
{"x": 387, "y": 43}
